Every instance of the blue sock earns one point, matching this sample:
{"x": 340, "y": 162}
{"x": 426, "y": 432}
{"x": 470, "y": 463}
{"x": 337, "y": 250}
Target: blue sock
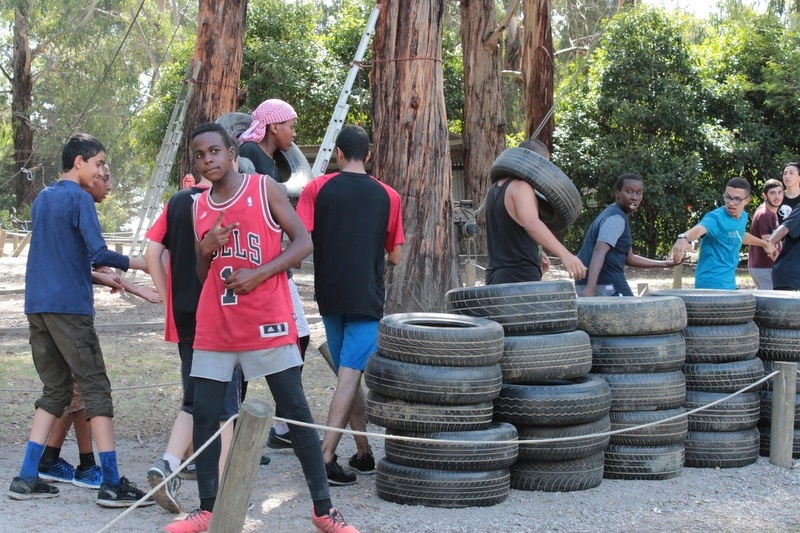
{"x": 30, "y": 464}
{"x": 108, "y": 462}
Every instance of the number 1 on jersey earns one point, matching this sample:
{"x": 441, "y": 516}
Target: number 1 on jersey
{"x": 228, "y": 297}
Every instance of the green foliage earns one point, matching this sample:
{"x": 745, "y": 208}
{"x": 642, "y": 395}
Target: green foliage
{"x": 639, "y": 109}
{"x": 286, "y": 58}
{"x": 113, "y": 213}
{"x": 453, "y": 70}
{"x": 686, "y": 107}
{"x": 301, "y": 52}
{"x": 149, "y": 125}
{"x": 750, "y": 63}
{"x": 92, "y": 75}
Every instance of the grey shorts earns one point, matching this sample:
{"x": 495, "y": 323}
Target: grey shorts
{"x": 255, "y": 363}
{"x": 762, "y": 277}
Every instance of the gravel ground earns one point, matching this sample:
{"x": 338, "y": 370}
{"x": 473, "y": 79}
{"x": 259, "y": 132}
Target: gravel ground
{"x": 759, "y": 497}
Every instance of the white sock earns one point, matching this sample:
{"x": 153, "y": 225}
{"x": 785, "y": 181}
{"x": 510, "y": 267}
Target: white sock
{"x": 280, "y": 428}
{"x": 173, "y": 461}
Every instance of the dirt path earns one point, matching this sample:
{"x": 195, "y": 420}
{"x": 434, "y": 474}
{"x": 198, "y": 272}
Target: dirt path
{"x": 759, "y": 497}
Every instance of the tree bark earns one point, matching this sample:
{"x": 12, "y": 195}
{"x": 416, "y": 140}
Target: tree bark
{"x": 484, "y": 127}
{"x": 219, "y": 46}
{"x": 412, "y": 153}
{"x": 537, "y": 70}
{"x": 21, "y": 99}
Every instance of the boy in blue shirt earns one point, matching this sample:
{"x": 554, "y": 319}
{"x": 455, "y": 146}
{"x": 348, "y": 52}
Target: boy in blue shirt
{"x": 65, "y": 243}
{"x": 723, "y": 233}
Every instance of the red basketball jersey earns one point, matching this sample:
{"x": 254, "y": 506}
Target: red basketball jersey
{"x": 259, "y": 319}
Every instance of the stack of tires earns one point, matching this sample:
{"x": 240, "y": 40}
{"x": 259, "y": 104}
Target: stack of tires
{"x": 434, "y": 377}
{"x": 778, "y": 318}
{"x": 637, "y": 348}
{"x": 546, "y": 392}
{"x": 721, "y": 347}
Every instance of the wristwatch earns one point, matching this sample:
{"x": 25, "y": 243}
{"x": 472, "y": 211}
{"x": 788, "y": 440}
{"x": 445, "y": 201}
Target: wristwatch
{"x": 682, "y": 236}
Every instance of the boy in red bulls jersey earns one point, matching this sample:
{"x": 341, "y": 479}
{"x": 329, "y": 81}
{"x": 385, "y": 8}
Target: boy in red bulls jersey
{"x": 244, "y": 316}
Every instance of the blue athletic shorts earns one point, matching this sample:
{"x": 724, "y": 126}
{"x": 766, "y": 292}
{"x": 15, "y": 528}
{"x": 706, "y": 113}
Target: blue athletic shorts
{"x": 352, "y": 338}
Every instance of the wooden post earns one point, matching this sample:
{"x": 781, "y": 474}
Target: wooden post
{"x": 3, "y": 236}
{"x": 783, "y": 404}
{"x": 14, "y": 240}
{"x": 25, "y": 240}
{"x": 326, "y": 354}
{"x": 677, "y": 276}
{"x": 230, "y": 510}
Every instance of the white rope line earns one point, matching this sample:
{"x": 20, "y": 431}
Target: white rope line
{"x": 426, "y": 440}
{"x": 171, "y": 476}
{"x": 523, "y": 441}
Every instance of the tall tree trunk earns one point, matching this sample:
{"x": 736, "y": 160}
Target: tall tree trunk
{"x": 219, "y": 46}
{"x": 537, "y": 70}
{"x": 21, "y": 99}
{"x": 484, "y": 126}
{"x": 412, "y": 150}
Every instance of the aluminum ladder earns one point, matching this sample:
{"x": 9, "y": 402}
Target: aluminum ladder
{"x": 342, "y": 107}
{"x": 151, "y": 205}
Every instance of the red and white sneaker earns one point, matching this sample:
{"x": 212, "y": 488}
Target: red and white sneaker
{"x": 197, "y": 521}
{"x": 333, "y": 522}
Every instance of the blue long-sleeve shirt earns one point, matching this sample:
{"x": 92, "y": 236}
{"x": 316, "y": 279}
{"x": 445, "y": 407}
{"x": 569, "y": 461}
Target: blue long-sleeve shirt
{"x": 65, "y": 243}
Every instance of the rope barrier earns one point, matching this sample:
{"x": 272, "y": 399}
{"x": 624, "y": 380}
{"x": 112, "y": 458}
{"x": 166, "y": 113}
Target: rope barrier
{"x": 422, "y": 440}
{"x": 171, "y": 476}
{"x": 425, "y": 440}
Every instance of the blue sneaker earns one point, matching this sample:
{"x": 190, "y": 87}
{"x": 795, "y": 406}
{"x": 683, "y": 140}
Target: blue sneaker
{"x": 91, "y": 478}
{"x": 58, "y": 471}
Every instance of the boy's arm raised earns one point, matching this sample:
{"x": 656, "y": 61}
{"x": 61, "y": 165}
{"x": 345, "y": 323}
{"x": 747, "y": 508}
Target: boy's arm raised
{"x": 216, "y": 238}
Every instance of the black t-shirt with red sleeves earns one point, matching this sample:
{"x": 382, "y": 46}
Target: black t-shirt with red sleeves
{"x": 354, "y": 220}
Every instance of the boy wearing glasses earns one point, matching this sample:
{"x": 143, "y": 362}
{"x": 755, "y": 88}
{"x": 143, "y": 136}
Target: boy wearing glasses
{"x": 723, "y": 233}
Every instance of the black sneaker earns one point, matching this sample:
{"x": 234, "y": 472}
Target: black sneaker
{"x": 363, "y": 465}
{"x": 123, "y": 496}
{"x": 278, "y": 442}
{"x": 336, "y": 474}
{"x": 22, "y": 490}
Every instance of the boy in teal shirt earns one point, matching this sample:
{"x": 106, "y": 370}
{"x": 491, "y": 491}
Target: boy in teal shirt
{"x": 724, "y": 232}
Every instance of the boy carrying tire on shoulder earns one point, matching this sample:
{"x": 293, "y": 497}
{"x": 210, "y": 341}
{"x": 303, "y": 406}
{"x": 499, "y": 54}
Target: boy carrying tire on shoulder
{"x": 514, "y": 232}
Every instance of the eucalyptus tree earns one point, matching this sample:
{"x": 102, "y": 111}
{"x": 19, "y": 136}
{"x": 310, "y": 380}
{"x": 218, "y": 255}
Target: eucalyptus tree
{"x": 410, "y": 133}
{"x": 77, "y": 66}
